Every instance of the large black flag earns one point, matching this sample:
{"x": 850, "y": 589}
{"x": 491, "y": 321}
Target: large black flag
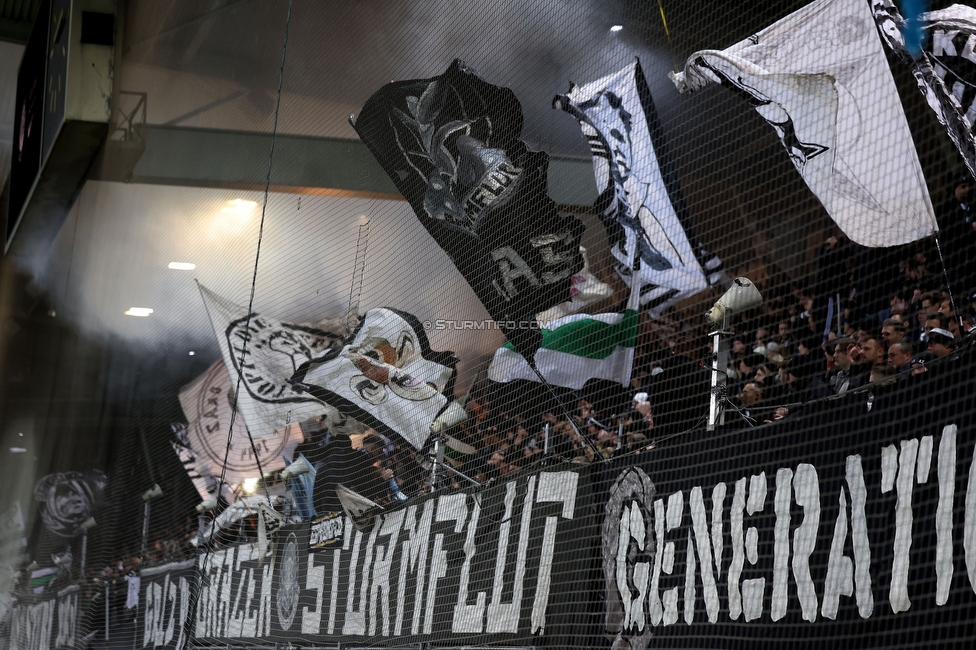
{"x": 451, "y": 145}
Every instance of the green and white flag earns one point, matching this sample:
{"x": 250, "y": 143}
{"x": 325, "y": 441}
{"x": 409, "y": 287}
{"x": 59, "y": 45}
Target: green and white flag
{"x": 576, "y": 349}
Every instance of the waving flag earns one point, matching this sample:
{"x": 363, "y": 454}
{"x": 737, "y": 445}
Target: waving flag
{"x": 451, "y": 146}
{"x": 202, "y": 444}
{"x": 819, "y": 77}
{"x": 577, "y": 348}
{"x": 266, "y": 353}
{"x": 387, "y": 377}
{"x": 945, "y": 71}
{"x": 640, "y": 199}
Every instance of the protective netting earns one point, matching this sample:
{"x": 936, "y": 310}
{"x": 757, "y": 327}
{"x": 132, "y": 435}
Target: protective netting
{"x": 383, "y": 325}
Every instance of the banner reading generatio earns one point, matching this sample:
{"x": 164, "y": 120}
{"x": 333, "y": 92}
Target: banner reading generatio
{"x": 841, "y": 527}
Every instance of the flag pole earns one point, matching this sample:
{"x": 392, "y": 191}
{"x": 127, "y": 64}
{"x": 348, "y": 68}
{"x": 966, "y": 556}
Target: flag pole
{"x": 562, "y": 407}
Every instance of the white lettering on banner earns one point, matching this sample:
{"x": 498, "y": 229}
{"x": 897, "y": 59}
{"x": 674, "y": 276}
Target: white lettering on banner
{"x": 503, "y": 617}
{"x": 898, "y": 592}
{"x": 381, "y": 600}
{"x": 781, "y": 543}
{"x": 165, "y": 607}
{"x": 226, "y": 606}
{"x": 943, "y": 514}
{"x": 67, "y": 620}
{"x": 468, "y": 618}
{"x": 31, "y": 626}
{"x": 553, "y": 488}
{"x": 646, "y": 603}
{"x": 806, "y": 487}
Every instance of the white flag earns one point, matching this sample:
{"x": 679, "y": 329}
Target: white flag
{"x": 640, "y": 199}
{"x": 945, "y": 71}
{"x": 388, "y": 378}
{"x": 208, "y": 403}
{"x": 819, "y": 77}
{"x": 266, "y": 353}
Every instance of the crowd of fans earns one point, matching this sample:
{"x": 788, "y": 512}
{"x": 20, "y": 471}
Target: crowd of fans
{"x": 863, "y": 317}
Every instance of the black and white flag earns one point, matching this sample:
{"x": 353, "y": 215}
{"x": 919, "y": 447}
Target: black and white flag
{"x": 945, "y": 71}
{"x": 819, "y": 77}
{"x": 265, "y": 353}
{"x": 387, "y": 377}
{"x": 214, "y": 458}
{"x": 451, "y": 146}
{"x": 640, "y": 199}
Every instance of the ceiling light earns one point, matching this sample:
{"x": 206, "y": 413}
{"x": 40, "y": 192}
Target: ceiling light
{"x": 182, "y": 266}
{"x": 18, "y": 450}
{"x": 616, "y": 28}
{"x": 192, "y": 353}
{"x": 141, "y": 312}
{"x": 250, "y": 485}
{"x": 239, "y": 208}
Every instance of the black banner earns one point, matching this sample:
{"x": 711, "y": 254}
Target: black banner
{"x": 451, "y": 146}
{"x": 502, "y": 565}
{"x": 47, "y": 623}
{"x": 165, "y": 599}
{"x": 850, "y": 525}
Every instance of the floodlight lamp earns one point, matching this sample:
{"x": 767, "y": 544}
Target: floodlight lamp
{"x": 152, "y": 493}
{"x": 61, "y": 559}
{"x": 88, "y": 524}
{"x": 742, "y": 296}
{"x": 33, "y": 566}
{"x": 297, "y": 468}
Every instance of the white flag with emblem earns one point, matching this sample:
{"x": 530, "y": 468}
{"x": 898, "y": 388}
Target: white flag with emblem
{"x": 388, "y": 378}
{"x": 265, "y": 353}
{"x": 640, "y": 201}
{"x": 206, "y": 446}
{"x": 819, "y": 77}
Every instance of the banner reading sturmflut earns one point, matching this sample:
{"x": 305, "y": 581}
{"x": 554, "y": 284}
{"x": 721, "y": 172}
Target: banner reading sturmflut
{"x": 451, "y": 146}
{"x": 640, "y": 199}
{"x": 819, "y": 77}
{"x": 945, "y": 71}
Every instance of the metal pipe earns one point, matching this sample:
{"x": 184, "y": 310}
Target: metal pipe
{"x": 145, "y": 529}
{"x": 717, "y": 396}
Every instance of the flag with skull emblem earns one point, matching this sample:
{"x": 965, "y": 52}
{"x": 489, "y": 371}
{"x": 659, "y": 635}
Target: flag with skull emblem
{"x": 387, "y": 377}
{"x": 451, "y": 146}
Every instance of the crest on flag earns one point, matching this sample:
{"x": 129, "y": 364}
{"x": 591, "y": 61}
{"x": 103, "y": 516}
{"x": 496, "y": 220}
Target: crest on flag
{"x": 640, "y": 200}
{"x": 202, "y": 445}
{"x": 451, "y": 146}
{"x": 265, "y": 353}
{"x": 387, "y": 377}
{"x": 819, "y": 77}
{"x": 67, "y": 499}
